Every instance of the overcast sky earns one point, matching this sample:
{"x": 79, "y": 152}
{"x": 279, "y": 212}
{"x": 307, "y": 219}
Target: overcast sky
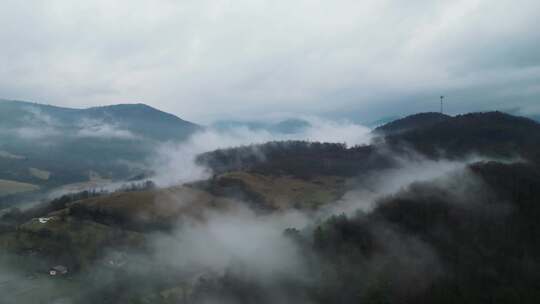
{"x": 205, "y": 60}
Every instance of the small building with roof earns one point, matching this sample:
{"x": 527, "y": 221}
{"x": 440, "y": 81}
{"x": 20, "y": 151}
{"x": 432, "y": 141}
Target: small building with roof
{"x": 58, "y": 270}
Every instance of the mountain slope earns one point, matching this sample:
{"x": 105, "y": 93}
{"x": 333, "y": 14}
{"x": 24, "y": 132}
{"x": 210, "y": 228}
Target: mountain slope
{"x": 420, "y": 120}
{"x": 79, "y": 145}
{"x": 144, "y": 120}
{"x": 494, "y": 134}
{"x": 139, "y": 119}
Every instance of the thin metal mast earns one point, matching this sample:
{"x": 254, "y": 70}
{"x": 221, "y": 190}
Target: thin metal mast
{"x": 442, "y": 97}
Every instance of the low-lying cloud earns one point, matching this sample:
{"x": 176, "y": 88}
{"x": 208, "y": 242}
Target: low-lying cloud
{"x": 227, "y": 238}
{"x": 37, "y": 125}
{"x": 409, "y": 170}
{"x": 99, "y": 129}
{"x": 175, "y": 163}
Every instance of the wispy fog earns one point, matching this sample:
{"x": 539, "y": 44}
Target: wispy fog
{"x": 255, "y": 243}
{"x": 413, "y": 169}
{"x": 176, "y": 162}
{"x": 37, "y": 125}
{"x": 100, "y": 129}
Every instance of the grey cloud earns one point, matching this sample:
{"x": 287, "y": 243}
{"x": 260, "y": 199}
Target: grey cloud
{"x": 99, "y": 129}
{"x": 207, "y": 59}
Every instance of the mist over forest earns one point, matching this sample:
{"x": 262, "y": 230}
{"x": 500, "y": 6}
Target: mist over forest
{"x": 269, "y": 152}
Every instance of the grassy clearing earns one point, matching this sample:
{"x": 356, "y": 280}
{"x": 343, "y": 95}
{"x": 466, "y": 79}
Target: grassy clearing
{"x": 6, "y": 154}
{"x": 284, "y": 192}
{"x": 67, "y": 240}
{"x": 156, "y": 206}
{"x": 41, "y": 174}
{"x": 8, "y": 187}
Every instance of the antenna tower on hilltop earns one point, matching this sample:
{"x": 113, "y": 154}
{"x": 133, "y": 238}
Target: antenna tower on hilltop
{"x": 442, "y": 109}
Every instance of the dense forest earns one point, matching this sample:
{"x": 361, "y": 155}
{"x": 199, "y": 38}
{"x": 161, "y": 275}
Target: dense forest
{"x": 424, "y": 244}
{"x": 432, "y": 242}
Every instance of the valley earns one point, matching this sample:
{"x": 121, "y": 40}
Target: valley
{"x": 270, "y": 152}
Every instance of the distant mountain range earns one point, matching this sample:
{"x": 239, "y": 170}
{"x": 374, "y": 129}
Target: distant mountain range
{"x": 137, "y": 120}
{"x": 49, "y": 146}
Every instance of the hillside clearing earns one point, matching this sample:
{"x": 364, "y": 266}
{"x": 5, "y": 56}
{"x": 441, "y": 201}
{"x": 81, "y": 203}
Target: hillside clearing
{"x": 283, "y": 192}
{"x": 41, "y": 174}
{"x": 8, "y": 187}
{"x": 6, "y": 154}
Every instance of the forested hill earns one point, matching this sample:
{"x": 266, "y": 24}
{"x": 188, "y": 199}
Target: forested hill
{"x": 44, "y": 146}
{"x": 494, "y": 134}
{"x": 491, "y": 134}
{"x": 139, "y": 119}
{"x": 416, "y": 121}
